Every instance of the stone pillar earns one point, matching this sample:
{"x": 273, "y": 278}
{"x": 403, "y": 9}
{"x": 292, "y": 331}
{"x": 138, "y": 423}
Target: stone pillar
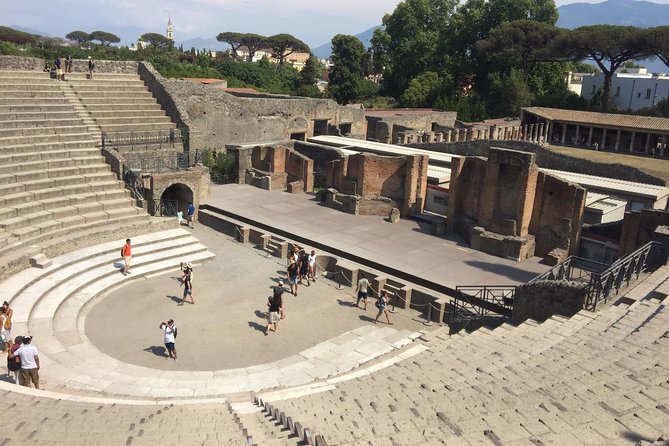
{"x": 549, "y": 132}
{"x": 523, "y": 135}
{"x": 601, "y": 146}
{"x": 542, "y": 132}
{"x": 564, "y": 133}
{"x": 449, "y": 135}
{"x": 439, "y": 137}
{"x": 645, "y": 149}
{"x": 632, "y": 142}
{"x": 590, "y": 137}
{"x": 617, "y": 146}
{"x": 577, "y": 141}
{"x": 456, "y": 136}
{"x": 486, "y": 134}
{"x": 530, "y": 133}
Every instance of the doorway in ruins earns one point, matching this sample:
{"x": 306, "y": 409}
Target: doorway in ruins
{"x": 174, "y": 199}
{"x": 320, "y": 127}
{"x": 299, "y": 136}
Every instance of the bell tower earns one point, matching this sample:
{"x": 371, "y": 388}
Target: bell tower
{"x": 170, "y": 30}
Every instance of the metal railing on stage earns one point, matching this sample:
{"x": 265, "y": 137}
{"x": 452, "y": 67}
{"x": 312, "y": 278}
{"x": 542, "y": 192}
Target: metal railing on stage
{"x": 144, "y": 138}
{"x": 480, "y": 303}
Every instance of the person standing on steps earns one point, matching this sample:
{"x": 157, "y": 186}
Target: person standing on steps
{"x": 8, "y": 321}
{"x": 29, "y": 362}
{"x": 361, "y": 290}
{"x": 170, "y": 337}
{"x": 14, "y": 362}
{"x": 126, "y": 253}
{"x": 91, "y": 68}
{"x": 382, "y": 305}
{"x": 68, "y": 63}
{"x": 59, "y": 71}
{"x": 190, "y": 213}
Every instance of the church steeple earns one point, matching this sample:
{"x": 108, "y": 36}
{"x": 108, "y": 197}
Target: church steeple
{"x": 170, "y": 29}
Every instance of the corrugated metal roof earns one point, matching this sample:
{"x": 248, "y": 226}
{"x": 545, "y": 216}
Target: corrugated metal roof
{"x": 611, "y": 184}
{"x": 603, "y": 203}
{"x": 381, "y": 148}
{"x": 632, "y": 122}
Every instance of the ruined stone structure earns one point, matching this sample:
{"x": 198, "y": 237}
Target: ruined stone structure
{"x": 639, "y": 228}
{"x": 378, "y": 183}
{"x": 400, "y": 126}
{"x": 274, "y": 167}
{"x": 504, "y": 206}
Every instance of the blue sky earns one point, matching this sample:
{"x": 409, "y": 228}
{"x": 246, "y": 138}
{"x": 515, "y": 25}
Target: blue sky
{"x": 313, "y": 21}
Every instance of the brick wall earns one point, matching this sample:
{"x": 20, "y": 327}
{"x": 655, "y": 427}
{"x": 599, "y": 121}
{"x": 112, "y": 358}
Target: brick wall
{"x": 557, "y": 215}
{"x": 638, "y": 228}
{"x": 541, "y": 300}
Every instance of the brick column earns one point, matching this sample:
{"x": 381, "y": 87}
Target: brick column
{"x": 589, "y": 137}
{"x": 617, "y": 146}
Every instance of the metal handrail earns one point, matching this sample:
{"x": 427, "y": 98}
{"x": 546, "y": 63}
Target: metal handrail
{"x": 135, "y": 183}
{"x": 166, "y": 208}
{"x": 480, "y": 302}
{"x": 169, "y": 138}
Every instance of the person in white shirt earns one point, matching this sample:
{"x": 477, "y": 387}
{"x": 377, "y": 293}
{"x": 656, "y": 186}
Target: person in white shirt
{"x": 29, "y": 362}
{"x": 312, "y": 266}
{"x": 170, "y": 336}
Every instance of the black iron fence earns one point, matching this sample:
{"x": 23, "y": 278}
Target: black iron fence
{"x": 144, "y": 138}
{"x": 135, "y": 183}
{"x": 166, "y": 208}
{"x": 603, "y": 280}
{"x": 481, "y": 304}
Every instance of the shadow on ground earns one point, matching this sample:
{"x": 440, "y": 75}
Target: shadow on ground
{"x": 158, "y": 351}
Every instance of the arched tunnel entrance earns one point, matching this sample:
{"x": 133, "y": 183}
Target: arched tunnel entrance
{"x": 175, "y": 198}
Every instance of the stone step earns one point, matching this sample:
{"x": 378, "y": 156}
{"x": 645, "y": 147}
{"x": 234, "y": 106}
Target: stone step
{"x": 262, "y": 428}
{"x": 130, "y": 113}
{"x": 94, "y": 108}
{"x": 55, "y": 158}
{"x": 78, "y": 84}
{"x": 155, "y": 118}
{"x": 33, "y": 101}
{"x": 63, "y": 204}
{"x": 46, "y": 148}
{"x": 14, "y": 165}
{"x": 30, "y": 115}
{"x": 139, "y": 126}
{"x": 104, "y": 90}
{"x": 87, "y": 180}
{"x": 40, "y": 123}
{"x": 55, "y": 172}
{"x": 7, "y": 86}
{"x": 76, "y": 128}
{"x": 31, "y": 94}
{"x": 26, "y": 108}
{"x": 44, "y": 138}
{"x": 111, "y": 101}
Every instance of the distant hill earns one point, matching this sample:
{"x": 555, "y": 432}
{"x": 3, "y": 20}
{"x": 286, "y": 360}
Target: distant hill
{"x": 614, "y": 12}
{"x": 324, "y": 51}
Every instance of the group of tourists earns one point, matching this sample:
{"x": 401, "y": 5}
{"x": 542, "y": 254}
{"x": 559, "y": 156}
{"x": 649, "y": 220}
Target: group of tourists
{"x": 22, "y": 357}
{"x": 57, "y": 72}
{"x": 301, "y": 266}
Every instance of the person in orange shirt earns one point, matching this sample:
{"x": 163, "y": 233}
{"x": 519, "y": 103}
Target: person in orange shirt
{"x": 126, "y": 253}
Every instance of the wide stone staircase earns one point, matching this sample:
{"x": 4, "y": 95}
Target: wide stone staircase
{"x": 53, "y": 179}
{"x": 595, "y": 379}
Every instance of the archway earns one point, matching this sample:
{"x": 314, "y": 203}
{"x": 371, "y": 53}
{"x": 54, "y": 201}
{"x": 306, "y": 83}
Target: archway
{"x": 175, "y": 198}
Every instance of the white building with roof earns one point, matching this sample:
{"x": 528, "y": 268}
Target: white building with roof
{"x": 631, "y": 88}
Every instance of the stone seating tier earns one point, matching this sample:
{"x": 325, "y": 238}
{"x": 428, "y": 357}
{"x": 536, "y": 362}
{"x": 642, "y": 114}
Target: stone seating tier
{"x": 594, "y": 379}
{"x": 52, "y": 177}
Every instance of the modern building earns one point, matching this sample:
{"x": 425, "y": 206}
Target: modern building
{"x": 631, "y": 88}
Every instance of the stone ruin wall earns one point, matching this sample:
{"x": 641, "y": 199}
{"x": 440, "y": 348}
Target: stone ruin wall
{"x": 504, "y": 206}
{"x": 78, "y": 65}
{"x": 390, "y": 129}
{"x": 274, "y": 167}
{"x": 639, "y": 227}
{"x": 547, "y": 158}
{"x": 401, "y": 181}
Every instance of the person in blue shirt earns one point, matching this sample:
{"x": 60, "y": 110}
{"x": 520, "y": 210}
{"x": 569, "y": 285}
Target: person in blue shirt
{"x": 190, "y": 211}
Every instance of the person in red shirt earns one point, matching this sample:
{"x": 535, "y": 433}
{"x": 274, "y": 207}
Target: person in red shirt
{"x": 126, "y": 253}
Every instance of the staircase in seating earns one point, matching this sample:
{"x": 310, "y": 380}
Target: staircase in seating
{"x": 53, "y": 179}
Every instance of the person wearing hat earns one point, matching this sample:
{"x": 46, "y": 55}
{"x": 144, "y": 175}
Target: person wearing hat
{"x": 170, "y": 337}
{"x": 91, "y": 67}
{"x": 29, "y": 362}
{"x": 187, "y": 282}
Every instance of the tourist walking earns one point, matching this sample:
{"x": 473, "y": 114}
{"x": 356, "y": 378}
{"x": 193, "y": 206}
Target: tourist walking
{"x": 29, "y": 362}
{"x": 361, "y": 290}
{"x": 304, "y": 266}
{"x": 190, "y": 213}
{"x": 14, "y": 362}
{"x": 170, "y": 337}
{"x": 91, "y": 67}
{"x": 273, "y": 313}
{"x": 382, "y": 304}
{"x": 292, "y": 274}
{"x": 278, "y": 292}
{"x": 126, "y": 253}
{"x": 312, "y": 266}
{"x": 187, "y": 282}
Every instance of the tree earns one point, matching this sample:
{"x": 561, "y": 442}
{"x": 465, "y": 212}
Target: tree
{"x": 659, "y": 40}
{"x": 312, "y": 70}
{"x": 346, "y": 75}
{"x": 253, "y": 43}
{"x": 157, "y": 40}
{"x": 104, "y": 37}
{"x": 231, "y": 38}
{"x": 508, "y": 93}
{"x": 609, "y": 46}
{"x": 80, "y": 37}
{"x": 421, "y": 91}
{"x": 11, "y": 35}
{"x": 283, "y": 45}
{"x": 523, "y": 44}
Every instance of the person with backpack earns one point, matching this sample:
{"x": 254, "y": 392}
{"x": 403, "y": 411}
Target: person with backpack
{"x": 293, "y": 273}
{"x": 126, "y": 254}
{"x": 382, "y": 304}
{"x": 187, "y": 282}
{"x": 274, "y": 304}
{"x": 170, "y": 337}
